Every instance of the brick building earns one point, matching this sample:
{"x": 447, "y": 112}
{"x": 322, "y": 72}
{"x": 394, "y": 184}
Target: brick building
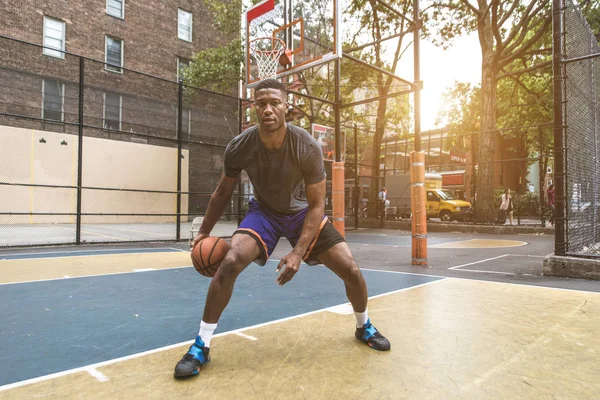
{"x": 152, "y": 36}
{"x": 132, "y": 51}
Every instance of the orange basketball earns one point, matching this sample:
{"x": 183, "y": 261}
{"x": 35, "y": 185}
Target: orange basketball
{"x": 208, "y": 254}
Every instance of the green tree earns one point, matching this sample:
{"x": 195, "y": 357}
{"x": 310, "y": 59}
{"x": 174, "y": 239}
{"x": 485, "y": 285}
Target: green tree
{"x": 523, "y": 110}
{"x": 509, "y": 32}
{"x": 219, "y": 67}
{"x": 591, "y": 12}
{"x": 386, "y": 32}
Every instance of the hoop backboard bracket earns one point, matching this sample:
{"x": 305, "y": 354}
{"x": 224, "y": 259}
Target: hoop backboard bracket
{"x": 310, "y": 32}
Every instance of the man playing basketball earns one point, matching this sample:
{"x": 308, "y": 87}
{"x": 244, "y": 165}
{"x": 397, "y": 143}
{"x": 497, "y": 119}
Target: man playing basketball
{"x": 285, "y": 165}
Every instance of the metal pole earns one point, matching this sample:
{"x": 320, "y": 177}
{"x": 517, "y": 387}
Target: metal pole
{"x": 337, "y": 108}
{"x": 356, "y": 179}
{"x": 240, "y": 186}
{"x": 337, "y": 169}
{"x": 179, "y": 149}
{"x": 395, "y": 155}
{"x": 80, "y": 151}
{"x": 406, "y": 160}
{"x": 417, "y": 65}
{"x": 559, "y": 173}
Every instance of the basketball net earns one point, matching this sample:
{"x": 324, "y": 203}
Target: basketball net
{"x": 266, "y": 52}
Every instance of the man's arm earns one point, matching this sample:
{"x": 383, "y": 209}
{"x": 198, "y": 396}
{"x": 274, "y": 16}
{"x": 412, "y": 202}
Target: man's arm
{"x": 216, "y": 205}
{"x": 315, "y": 194}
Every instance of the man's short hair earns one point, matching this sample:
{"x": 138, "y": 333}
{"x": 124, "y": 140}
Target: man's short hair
{"x": 271, "y": 84}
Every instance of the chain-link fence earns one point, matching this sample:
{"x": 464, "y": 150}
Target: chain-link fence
{"x": 94, "y": 153}
{"x": 581, "y": 119}
{"x": 523, "y": 165}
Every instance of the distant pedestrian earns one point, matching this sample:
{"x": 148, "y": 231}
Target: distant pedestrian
{"x": 506, "y": 205}
{"x": 551, "y": 196}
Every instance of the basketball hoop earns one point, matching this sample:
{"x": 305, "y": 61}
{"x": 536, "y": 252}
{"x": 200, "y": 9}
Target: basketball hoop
{"x": 266, "y": 52}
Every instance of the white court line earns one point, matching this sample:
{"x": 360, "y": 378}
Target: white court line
{"x": 97, "y": 374}
{"x": 493, "y": 272}
{"x": 245, "y": 336}
{"x": 477, "y": 262}
{"x": 173, "y": 346}
{"x": 115, "y": 273}
{"x": 480, "y": 280}
{"x": 459, "y": 267}
{"x": 106, "y": 252}
{"x": 173, "y": 248}
{"x": 90, "y": 276}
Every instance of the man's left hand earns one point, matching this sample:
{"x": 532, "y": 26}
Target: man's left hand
{"x": 290, "y": 264}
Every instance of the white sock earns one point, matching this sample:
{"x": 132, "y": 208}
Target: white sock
{"x": 361, "y": 318}
{"x": 206, "y": 332}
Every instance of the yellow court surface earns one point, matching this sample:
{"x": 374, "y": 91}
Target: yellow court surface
{"x": 478, "y": 323}
{"x": 450, "y": 339}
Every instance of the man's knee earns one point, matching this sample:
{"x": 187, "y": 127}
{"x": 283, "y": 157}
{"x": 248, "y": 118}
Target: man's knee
{"x": 349, "y": 271}
{"x": 231, "y": 266}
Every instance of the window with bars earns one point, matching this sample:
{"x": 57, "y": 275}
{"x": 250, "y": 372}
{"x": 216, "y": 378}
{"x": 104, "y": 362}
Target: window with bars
{"x": 54, "y": 37}
{"x": 116, "y": 8}
{"x": 53, "y": 100}
{"x": 182, "y": 64}
{"x": 114, "y": 55}
{"x": 113, "y": 108}
{"x": 184, "y": 25}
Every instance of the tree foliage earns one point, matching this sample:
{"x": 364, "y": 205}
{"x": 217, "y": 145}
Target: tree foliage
{"x": 591, "y": 12}
{"x": 218, "y": 68}
{"x": 511, "y": 34}
{"x": 386, "y": 32}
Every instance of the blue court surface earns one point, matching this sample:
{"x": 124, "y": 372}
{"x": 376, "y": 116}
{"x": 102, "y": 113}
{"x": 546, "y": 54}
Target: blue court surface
{"x": 53, "y": 326}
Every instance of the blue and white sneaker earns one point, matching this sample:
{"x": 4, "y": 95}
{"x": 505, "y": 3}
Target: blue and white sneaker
{"x": 371, "y": 336}
{"x": 190, "y": 364}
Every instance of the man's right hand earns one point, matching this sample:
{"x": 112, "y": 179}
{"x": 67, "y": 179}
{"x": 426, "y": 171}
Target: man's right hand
{"x": 198, "y": 238}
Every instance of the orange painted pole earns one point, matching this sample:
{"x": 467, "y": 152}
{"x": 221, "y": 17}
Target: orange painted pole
{"x": 337, "y": 188}
{"x": 418, "y": 204}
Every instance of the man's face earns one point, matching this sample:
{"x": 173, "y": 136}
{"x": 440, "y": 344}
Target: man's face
{"x": 270, "y": 108}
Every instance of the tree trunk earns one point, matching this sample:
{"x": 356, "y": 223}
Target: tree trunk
{"x": 486, "y": 203}
{"x": 377, "y": 138}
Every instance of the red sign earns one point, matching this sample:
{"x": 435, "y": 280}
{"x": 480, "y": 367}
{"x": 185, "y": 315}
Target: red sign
{"x": 458, "y": 157}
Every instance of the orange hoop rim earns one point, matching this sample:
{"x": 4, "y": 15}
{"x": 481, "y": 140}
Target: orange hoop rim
{"x": 273, "y": 40}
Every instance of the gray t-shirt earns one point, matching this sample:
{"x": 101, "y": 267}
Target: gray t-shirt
{"x": 278, "y": 176}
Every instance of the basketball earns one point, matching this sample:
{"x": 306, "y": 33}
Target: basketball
{"x": 208, "y": 254}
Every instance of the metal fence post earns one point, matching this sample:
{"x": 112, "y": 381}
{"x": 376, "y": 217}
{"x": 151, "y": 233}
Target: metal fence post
{"x": 240, "y": 187}
{"x": 559, "y": 173}
{"x": 356, "y": 179}
{"x": 179, "y": 149}
{"x": 80, "y": 151}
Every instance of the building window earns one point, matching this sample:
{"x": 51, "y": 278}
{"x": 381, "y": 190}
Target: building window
{"x": 184, "y": 25}
{"x": 53, "y": 100}
{"x": 54, "y": 38}
{"x": 114, "y": 55}
{"x": 182, "y": 64}
{"x": 116, "y": 8}
{"x": 549, "y": 170}
{"x": 113, "y": 107}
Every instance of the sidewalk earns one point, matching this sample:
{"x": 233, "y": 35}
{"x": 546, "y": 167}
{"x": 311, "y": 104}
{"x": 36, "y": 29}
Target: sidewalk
{"x": 433, "y": 226}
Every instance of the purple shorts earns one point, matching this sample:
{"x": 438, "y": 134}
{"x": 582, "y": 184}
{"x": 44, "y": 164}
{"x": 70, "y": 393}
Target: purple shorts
{"x": 266, "y": 227}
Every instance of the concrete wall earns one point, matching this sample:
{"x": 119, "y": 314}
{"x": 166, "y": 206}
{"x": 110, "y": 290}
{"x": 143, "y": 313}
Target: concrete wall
{"x": 25, "y": 159}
